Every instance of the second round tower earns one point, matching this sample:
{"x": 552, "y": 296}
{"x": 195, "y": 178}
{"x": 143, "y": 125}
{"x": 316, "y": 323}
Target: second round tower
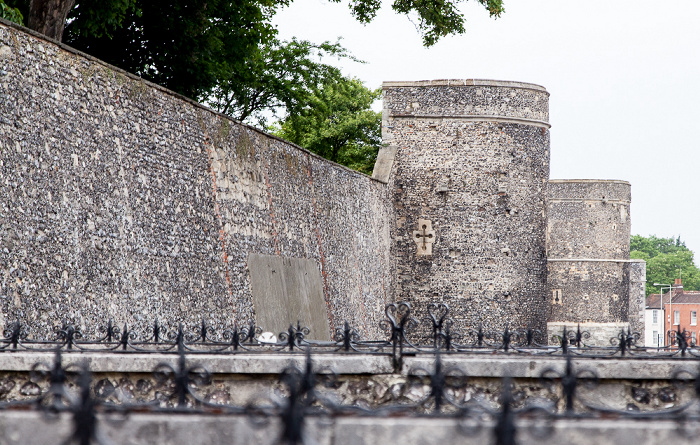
{"x": 591, "y": 279}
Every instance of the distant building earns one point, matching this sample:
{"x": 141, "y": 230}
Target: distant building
{"x": 664, "y": 314}
{"x": 653, "y": 317}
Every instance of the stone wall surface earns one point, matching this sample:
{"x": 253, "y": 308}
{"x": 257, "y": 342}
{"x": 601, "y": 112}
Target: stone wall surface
{"x": 588, "y": 218}
{"x": 594, "y": 334}
{"x": 469, "y": 97}
{"x": 591, "y": 278}
{"x": 589, "y": 291}
{"x": 637, "y": 295}
{"x": 471, "y": 164}
{"x": 120, "y": 199}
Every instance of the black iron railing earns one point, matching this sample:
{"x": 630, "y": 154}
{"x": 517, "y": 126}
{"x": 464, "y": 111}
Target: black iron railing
{"x": 71, "y": 390}
{"x": 402, "y": 337}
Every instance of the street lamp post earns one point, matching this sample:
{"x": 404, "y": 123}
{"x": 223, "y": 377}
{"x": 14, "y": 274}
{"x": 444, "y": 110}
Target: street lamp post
{"x": 670, "y": 305}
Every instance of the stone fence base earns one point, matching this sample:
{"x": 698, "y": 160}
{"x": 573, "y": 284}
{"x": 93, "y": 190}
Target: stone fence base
{"x": 369, "y": 380}
{"x": 594, "y": 334}
{"x": 174, "y": 429}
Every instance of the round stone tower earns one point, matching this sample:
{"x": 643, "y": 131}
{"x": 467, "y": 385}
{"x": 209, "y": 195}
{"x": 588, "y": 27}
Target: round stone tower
{"x": 588, "y": 248}
{"x": 588, "y": 219}
{"x": 467, "y": 162}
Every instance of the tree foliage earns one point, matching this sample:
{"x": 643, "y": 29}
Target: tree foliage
{"x": 276, "y": 78}
{"x": 667, "y": 259}
{"x": 433, "y": 19}
{"x": 217, "y": 49}
{"x": 184, "y": 45}
{"x": 11, "y": 14}
{"x": 226, "y": 54}
{"x": 337, "y": 122}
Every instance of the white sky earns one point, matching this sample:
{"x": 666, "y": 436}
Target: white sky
{"x": 623, "y": 77}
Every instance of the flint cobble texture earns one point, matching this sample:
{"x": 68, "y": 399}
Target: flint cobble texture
{"x": 588, "y": 219}
{"x": 120, "y": 199}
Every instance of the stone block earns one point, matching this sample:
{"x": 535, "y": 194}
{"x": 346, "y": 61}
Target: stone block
{"x": 384, "y": 163}
{"x": 288, "y": 290}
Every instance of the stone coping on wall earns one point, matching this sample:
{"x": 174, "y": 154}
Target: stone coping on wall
{"x": 463, "y": 82}
{"x": 517, "y": 365}
{"x": 100, "y": 362}
{"x": 192, "y": 102}
{"x": 531, "y": 367}
{"x": 612, "y": 191}
{"x": 588, "y": 200}
{"x": 594, "y": 260}
{"x": 589, "y": 181}
{"x": 22, "y": 427}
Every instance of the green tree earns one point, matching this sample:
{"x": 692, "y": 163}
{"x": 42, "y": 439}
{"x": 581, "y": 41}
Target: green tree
{"x": 337, "y": 122}
{"x": 667, "y": 259}
{"x": 49, "y": 16}
{"x": 11, "y": 14}
{"x": 184, "y": 45}
{"x": 226, "y": 53}
{"x": 276, "y": 77}
{"x": 434, "y": 19}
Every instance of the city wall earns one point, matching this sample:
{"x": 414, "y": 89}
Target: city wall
{"x": 120, "y": 199}
{"x": 367, "y": 380}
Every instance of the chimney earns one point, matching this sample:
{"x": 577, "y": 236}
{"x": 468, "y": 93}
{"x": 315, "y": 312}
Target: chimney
{"x": 678, "y": 286}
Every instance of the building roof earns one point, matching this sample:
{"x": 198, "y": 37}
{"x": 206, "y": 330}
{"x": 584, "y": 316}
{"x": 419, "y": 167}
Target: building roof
{"x": 691, "y": 297}
{"x": 653, "y": 301}
{"x": 681, "y": 297}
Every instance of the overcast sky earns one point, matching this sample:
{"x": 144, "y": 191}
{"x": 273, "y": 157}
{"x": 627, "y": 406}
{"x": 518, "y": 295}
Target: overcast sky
{"x": 623, "y": 77}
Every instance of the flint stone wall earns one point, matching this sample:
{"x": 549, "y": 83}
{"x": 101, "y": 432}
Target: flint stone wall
{"x": 591, "y": 278}
{"x": 588, "y": 218}
{"x": 471, "y": 157}
{"x": 589, "y": 291}
{"x": 120, "y": 199}
{"x": 637, "y": 295}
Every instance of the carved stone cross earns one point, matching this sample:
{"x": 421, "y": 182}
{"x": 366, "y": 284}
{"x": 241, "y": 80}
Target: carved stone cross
{"x": 424, "y": 237}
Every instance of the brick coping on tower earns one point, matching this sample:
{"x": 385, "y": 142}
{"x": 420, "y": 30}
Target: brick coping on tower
{"x": 463, "y": 82}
